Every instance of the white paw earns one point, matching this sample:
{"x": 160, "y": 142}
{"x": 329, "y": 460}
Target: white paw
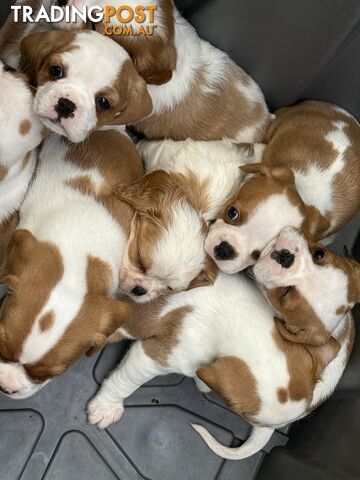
{"x": 103, "y": 411}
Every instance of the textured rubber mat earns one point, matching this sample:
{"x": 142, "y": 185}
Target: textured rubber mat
{"x": 47, "y": 437}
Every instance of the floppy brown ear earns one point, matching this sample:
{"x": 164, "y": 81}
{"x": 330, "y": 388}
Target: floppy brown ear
{"x": 314, "y": 224}
{"x": 323, "y": 355}
{"x": 207, "y": 276}
{"x": 313, "y": 335}
{"x": 138, "y": 103}
{"x": 114, "y": 314}
{"x": 7, "y": 229}
{"x": 37, "y": 46}
{"x": 156, "y": 66}
{"x": 145, "y": 193}
{"x": 282, "y": 174}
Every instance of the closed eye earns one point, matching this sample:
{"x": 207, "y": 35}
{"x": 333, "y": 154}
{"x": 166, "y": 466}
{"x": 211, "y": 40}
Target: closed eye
{"x": 286, "y": 291}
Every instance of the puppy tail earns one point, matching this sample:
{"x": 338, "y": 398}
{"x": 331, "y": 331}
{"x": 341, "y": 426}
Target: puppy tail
{"x": 257, "y": 440}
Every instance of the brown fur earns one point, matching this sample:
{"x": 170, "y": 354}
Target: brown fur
{"x": 3, "y": 172}
{"x": 7, "y": 227}
{"x": 154, "y": 57}
{"x": 26, "y": 160}
{"x": 194, "y": 116}
{"x": 233, "y": 380}
{"x": 25, "y": 127}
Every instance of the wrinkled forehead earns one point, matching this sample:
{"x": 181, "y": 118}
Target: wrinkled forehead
{"x": 94, "y": 59}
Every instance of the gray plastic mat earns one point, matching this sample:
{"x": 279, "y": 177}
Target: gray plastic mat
{"x": 47, "y": 437}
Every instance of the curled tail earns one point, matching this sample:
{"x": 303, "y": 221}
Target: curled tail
{"x": 257, "y": 440}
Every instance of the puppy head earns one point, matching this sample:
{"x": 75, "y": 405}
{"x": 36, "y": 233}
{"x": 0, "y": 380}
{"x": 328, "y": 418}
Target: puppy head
{"x": 310, "y": 288}
{"x": 265, "y": 204}
{"x": 20, "y": 129}
{"x": 45, "y": 325}
{"x": 84, "y": 80}
{"x": 165, "y": 251}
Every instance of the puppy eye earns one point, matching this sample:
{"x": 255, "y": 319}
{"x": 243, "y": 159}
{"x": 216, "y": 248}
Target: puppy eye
{"x": 286, "y": 291}
{"x": 318, "y": 255}
{"x": 56, "y": 71}
{"x": 8, "y": 68}
{"x": 233, "y": 214}
{"x": 103, "y": 103}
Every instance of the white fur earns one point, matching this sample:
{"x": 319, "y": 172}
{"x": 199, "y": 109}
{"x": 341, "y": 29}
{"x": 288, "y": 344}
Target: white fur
{"x": 214, "y": 162}
{"x": 315, "y": 186}
{"x": 230, "y": 318}
{"x": 16, "y": 106}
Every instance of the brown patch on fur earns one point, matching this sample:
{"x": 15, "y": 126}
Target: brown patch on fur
{"x": 207, "y": 276}
{"x": 205, "y": 115}
{"x": 282, "y": 394}
{"x": 46, "y": 321}
{"x": 296, "y": 137}
{"x": 26, "y": 160}
{"x": 154, "y": 56}
{"x": 305, "y": 364}
{"x": 343, "y": 310}
{"x": 32, "y": 270}
{"x": 3, "y": 172}
{"x": 7, "y": 227}
{"x": 25, "y": 127}
{"x": 98, "y": 318}
{"x": 231, "y": 378}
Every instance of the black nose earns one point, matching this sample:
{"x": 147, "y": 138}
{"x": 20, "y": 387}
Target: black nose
{"x": 62, "y": 3}
{"x": 284, "y": 258}
{"x": 5, "y": 390}
{"x": 138, "y": 291}
{"x": 224, "y": 251}
{"x": 65, "y": 108}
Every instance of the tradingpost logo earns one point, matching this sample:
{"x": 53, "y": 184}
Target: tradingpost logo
{"x": 120, "y": 20}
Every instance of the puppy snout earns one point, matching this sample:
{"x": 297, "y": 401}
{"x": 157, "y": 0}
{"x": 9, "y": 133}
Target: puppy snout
{"x": 283, "y": 257}
{"x": 224, "y": 251}
{"x": 65, "y": 108}
{"x": 138, "y": 291}
{"x": 7, "y": 391}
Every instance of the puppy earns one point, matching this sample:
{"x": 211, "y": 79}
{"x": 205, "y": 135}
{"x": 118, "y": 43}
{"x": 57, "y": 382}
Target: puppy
{"x": 309, "y": 179}
{"x": 208, "y": 97}
{"x": 215, "y": 334}
{"x": 154, "y": 56}
{"x": 310, "y": 288}
{"x": 188, "y": 184}
{"x": 75, "y": 95}
{"x": 64, "y": 260}
{"x": 20, "y": 134}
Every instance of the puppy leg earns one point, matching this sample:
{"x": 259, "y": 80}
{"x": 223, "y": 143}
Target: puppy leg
{"x": 136, "y": 369}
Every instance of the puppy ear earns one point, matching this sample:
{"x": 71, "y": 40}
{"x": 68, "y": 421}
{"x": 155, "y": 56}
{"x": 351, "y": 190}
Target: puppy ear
{"x": 138, "y": 103}
{"x": 114, "y": 314}
{"x": 282, "y": 174}
{"x": 156, "y": 67}
{"x": 37, "y": 46}
{"x": 315, "y": 224}
{"x": 313, "y": 335}
{"x": 144, "y": 194}
{"x": 207, "y": 276}
{"x": 323, "y": 355}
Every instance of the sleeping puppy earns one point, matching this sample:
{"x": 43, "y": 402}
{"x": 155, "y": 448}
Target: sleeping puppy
{"x": 20, "y": 133}
{"x": 62, "y": 269}
{"x": 214, "y": 334}
{"x": 187, "y": 185}
{"x": 310, "y": 288}
{"x": 309, "y": 179}
{"x": 75, "y": 96}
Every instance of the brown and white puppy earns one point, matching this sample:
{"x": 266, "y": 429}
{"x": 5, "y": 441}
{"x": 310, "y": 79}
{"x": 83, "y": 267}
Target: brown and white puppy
{"x": 76, "y": 93}
{"x": 64, "y": 260}
{"x": 310, "y": 288}
{"x": 214, "y": 334}
{"x": 20, "y": 133}
{"x": 309, "y": 179}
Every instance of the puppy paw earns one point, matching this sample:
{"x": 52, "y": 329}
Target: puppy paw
{"x": 102, "y": 411}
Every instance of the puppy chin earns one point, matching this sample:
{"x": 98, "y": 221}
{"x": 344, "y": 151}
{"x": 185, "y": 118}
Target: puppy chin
{"x": 231, "y": 267}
